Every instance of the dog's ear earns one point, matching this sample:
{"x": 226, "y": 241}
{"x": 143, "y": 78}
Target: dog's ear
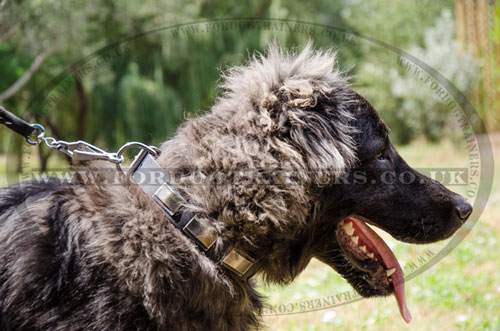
{"x": 270, "y": 105}
{"x": 316, "y": 125}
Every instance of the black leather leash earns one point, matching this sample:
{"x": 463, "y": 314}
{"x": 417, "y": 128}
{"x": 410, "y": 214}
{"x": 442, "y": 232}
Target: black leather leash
{"x": 15, "y": 123}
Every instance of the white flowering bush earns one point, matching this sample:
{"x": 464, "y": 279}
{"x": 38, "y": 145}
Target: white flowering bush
{"x": 409, "y": 105}
{"x": 421, "y": 110}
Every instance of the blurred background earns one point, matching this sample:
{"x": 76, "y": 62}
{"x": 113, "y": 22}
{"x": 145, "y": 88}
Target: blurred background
{"x": 109, "y": 72}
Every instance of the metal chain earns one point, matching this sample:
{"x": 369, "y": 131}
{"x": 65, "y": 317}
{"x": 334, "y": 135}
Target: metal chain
{"x": 83, "y": 151}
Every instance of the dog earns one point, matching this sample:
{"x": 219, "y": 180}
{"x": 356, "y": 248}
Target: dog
{"x": 292, "y": 165}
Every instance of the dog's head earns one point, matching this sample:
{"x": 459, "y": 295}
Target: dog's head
{"x": 318, "y": 166}
{"x": 384, "y": 191}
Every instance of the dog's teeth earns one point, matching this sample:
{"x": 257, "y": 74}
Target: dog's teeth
{"x": 390, "y": 271}
{"x": 371, "y": 255}
{"x": 355, "y": 239}
{"x": 348, "y": 228}
{"x": 363, "y": 248}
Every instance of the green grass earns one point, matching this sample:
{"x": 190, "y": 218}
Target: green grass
{"x": 462, "y": 291}
{"x": 8, "y": 175}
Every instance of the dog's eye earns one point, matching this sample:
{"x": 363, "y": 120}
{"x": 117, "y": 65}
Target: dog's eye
{"x": 380, "y": 156}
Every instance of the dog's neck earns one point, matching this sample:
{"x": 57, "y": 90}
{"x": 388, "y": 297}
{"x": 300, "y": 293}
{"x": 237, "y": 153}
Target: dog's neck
{"x": 143, "y": 170}
{"x": 160, "y": 262}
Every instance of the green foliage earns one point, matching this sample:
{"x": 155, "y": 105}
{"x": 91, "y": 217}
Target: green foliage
{"x": 407, "y": 101}
{"x": 143, "y": 88}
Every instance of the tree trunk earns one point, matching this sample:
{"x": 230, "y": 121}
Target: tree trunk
{"x": 43, "y": 158}
{"x": 82, "y": 109}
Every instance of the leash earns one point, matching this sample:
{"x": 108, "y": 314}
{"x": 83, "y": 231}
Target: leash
{"x": 77, "y": 150}
{"x": 143, "y": 166}
{"x": 15, "y": 123}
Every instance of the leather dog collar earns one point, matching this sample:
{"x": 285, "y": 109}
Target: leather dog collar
{"x": 143, "y": 170}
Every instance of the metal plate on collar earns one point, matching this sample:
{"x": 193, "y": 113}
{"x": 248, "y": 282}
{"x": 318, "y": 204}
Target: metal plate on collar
{"x": 204, "y": 235}
{"x": 148, "y": 174}
{"x": 170, "y": 199}
{"x": 238, "y": 263}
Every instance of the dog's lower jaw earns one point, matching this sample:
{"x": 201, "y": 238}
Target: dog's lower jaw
{"x": 366, "y": 262}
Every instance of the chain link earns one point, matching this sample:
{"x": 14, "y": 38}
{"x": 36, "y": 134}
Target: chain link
{"x": 83, "y": 151}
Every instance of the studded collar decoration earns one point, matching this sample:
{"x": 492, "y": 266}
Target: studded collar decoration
{"x": 170, "y": 201}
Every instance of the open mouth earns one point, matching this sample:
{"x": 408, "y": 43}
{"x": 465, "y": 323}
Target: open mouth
{"x": 368, "y": 253}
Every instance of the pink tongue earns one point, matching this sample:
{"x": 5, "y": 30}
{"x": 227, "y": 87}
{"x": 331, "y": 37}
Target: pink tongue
{"x": 380, "y": 248}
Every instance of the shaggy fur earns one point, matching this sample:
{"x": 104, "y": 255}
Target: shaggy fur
{"x": 266, "y": 159}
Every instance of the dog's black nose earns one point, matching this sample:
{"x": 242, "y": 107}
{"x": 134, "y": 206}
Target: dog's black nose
{"x": 464, "y": 209}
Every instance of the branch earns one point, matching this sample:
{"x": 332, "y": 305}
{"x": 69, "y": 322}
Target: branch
{"x": 37, "y": 63}
{"x": 3, "y": 4}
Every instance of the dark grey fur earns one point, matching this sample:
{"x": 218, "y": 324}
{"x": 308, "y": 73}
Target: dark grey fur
{"x": 76, "y": 256}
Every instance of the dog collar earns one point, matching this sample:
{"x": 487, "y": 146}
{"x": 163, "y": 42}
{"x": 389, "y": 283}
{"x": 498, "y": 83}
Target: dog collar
{"x": 155, "y": 182}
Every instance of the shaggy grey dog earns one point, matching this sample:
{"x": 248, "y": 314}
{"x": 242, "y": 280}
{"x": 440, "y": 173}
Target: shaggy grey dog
{"x": 300, "y": 156}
